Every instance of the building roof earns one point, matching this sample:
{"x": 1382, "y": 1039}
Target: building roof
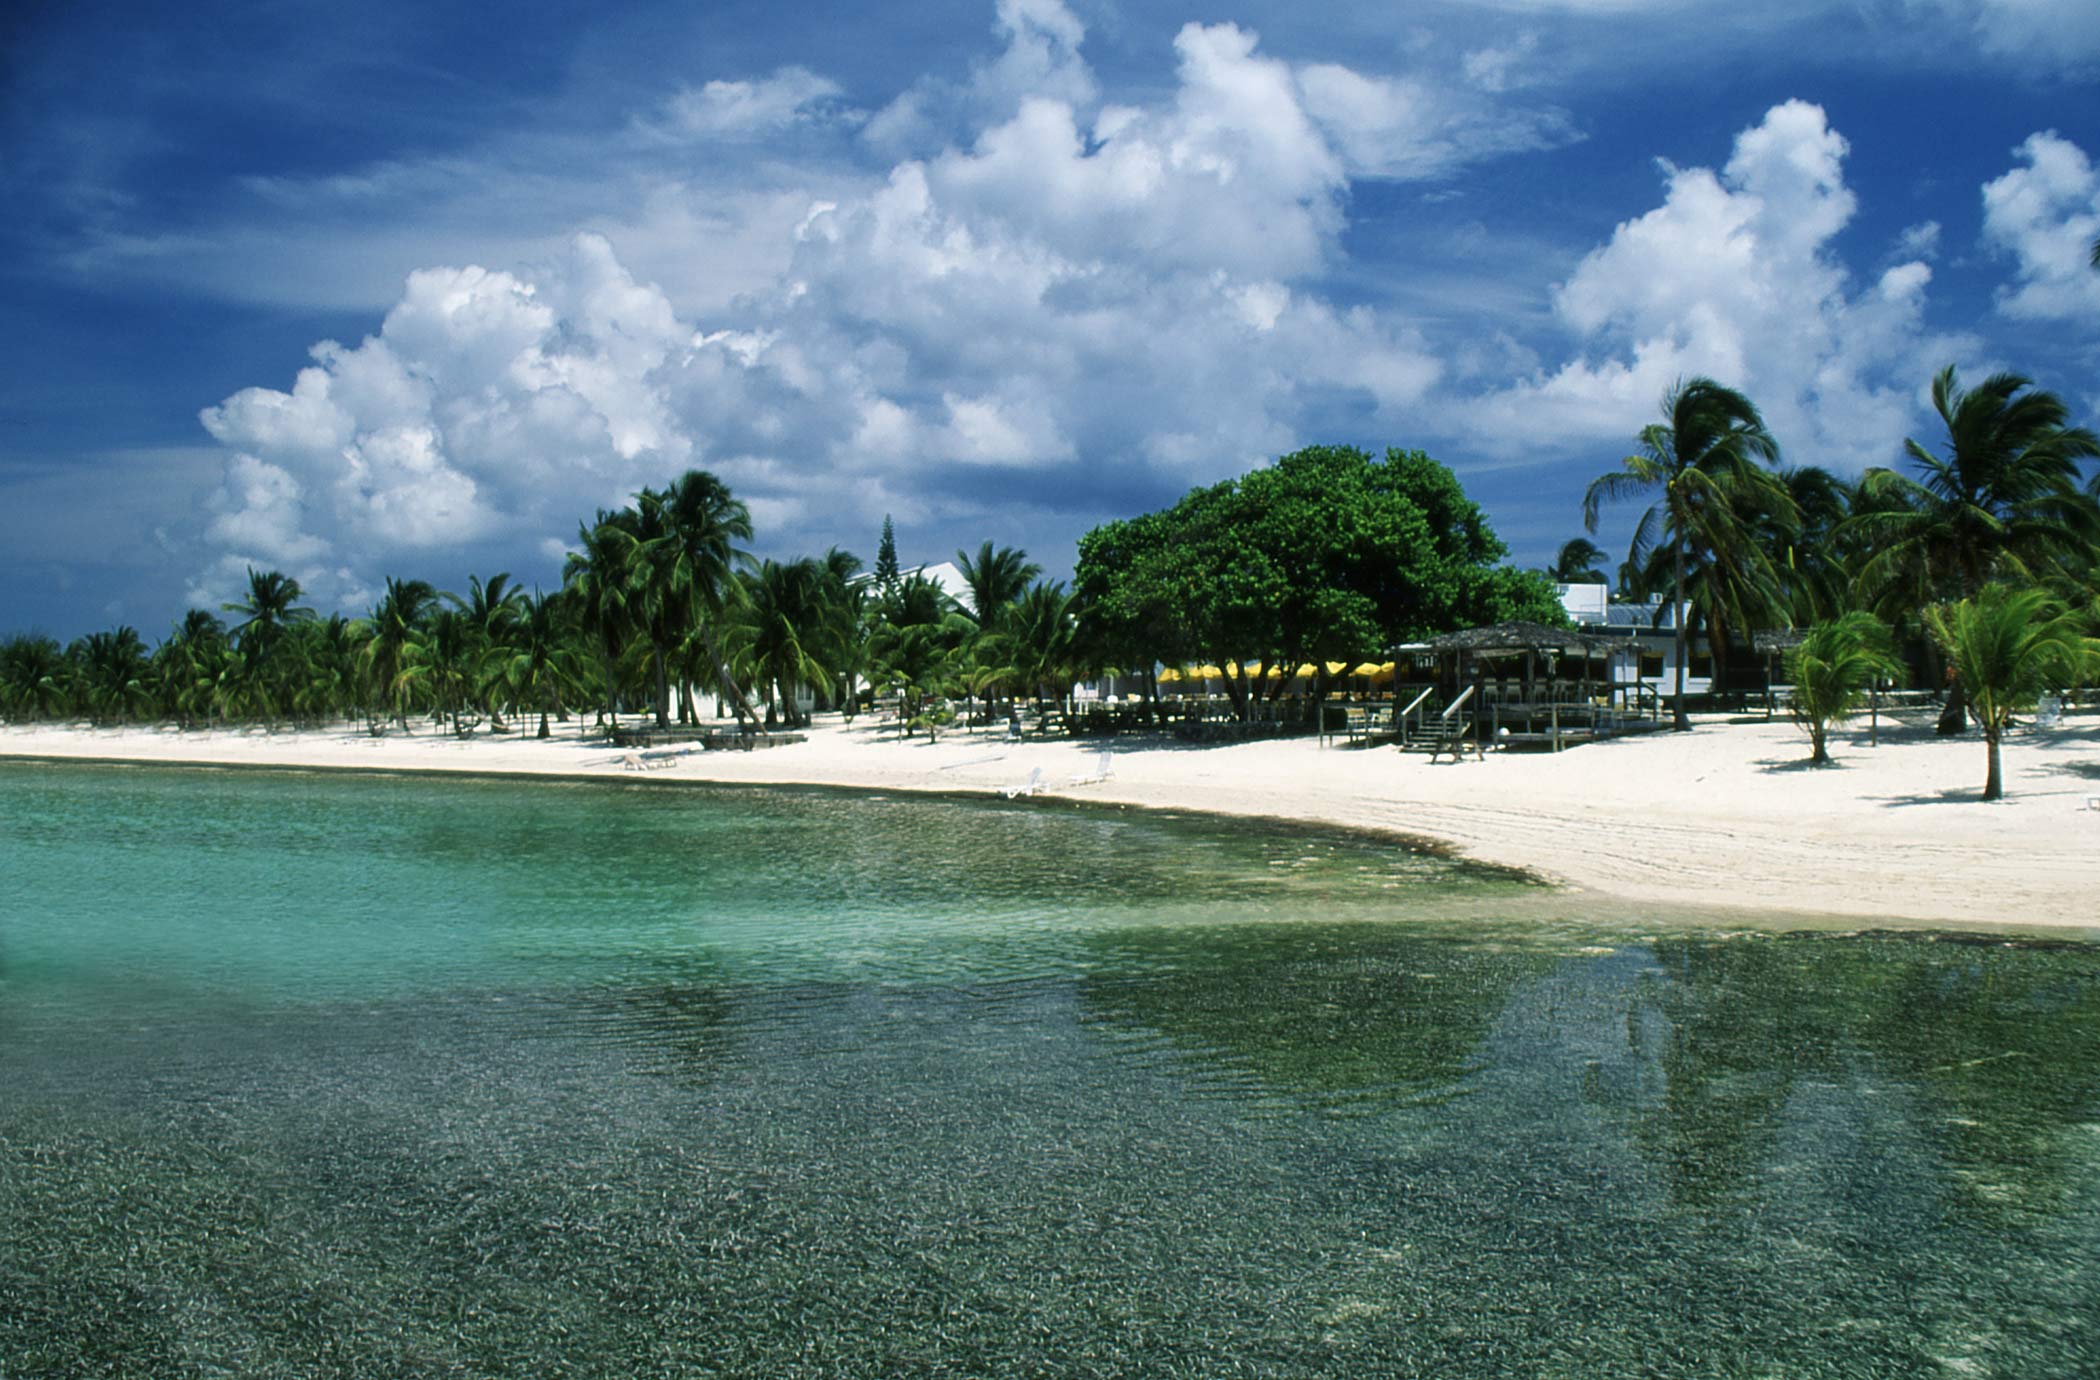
{"x": 1508, "y": 638}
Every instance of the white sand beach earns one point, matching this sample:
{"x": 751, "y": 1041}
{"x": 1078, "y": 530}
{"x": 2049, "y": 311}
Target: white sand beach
{"x": 1726, "y": 818}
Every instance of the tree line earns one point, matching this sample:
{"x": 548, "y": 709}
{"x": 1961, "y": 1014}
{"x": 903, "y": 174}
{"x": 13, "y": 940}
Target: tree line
{"x": 1976, "y": 565}
{"x": 1329, "y": 555}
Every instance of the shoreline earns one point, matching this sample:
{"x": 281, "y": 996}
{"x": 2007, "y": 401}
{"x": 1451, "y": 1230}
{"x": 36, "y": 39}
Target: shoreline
{"x": 1725, "y": 821}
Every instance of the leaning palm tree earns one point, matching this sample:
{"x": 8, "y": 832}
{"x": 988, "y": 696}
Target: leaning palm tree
{"x": 1706, "y": 459}
{"x": 1833, "y": 667}
{"x": 2007, "y": 647}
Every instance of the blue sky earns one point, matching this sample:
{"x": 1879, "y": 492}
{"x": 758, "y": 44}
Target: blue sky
{"x": 392, "y": 289}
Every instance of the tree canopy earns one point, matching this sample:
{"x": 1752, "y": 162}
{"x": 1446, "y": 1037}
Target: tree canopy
{"x": 1330, "y": 554}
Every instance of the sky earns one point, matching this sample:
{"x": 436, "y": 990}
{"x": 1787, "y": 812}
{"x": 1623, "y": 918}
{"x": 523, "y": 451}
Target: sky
{"x": 393, "y": 289}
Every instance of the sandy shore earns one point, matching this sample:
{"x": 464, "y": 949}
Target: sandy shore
{"x": 1726, "y": 818}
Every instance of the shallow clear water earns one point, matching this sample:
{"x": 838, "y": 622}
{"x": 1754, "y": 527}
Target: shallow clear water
{"x": 364, "y": 1076}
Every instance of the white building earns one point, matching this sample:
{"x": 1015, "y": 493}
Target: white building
{"x": 1650, "y": 631}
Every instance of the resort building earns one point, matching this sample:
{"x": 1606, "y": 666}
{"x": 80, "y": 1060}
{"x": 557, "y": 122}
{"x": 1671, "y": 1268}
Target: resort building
{"x": 1649, "y": 629}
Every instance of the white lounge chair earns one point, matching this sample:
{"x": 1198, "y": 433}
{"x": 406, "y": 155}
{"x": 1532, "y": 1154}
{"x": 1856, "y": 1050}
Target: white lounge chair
{"x": 1032, "y": 786}
{"x": 1104, "y": 768}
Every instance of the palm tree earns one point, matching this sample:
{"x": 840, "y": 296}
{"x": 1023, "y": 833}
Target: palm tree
{"x": 599, "y": 578}
{"x": 1043, "y": 638}
{"x": 440, "y": 661}
{"x": 492, "y": 610}
{"x": 114, "y": 676}
{"x": 785, "y": 635}
{"x": 537, "y": 663}
{"x": 689, "y": 531}
{"x": 2000, "y": 501}
{"x": 1578, "y": 562}
{"x": 2008, "y": 646}
{"x": 996, "y": 578}
{"x": 271, "y": 604}
{"x": 35, "y": 678}
{"x": 1832, "y": 667}
{"x": 189, "y": 663}
{"x": 1705, "y": 459}
{"x": 394, "y": 624}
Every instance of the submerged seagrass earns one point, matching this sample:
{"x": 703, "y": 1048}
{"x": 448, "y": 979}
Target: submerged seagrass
{"x": 316, "y": 1075}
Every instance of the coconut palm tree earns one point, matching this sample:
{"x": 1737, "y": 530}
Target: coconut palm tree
{"x": 996, "y": 577}
{"x": 270, "y": 605}
{"x": 689, "y": 558}
{"x": 1999, "y": 501}
{"x": 113, "y": 675}
{"x": 439, "y": 662}
{"x": 35, "y": 678}
{"x": 1043, "y": 638}
{"x": 394, "y": 624}
{"x": 785, "y": 636}
{"x": 1832, "y": 667}
{"x": 188, "y": 664}
{"x": 1578, "y": 562}
{"x": 2007, "y": 647}
{"x": 599, "y": 578}
{"x": 537, "y": 663}
{"x": 1706, "y": 460}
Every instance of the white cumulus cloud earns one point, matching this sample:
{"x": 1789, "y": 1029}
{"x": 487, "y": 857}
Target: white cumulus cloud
{"x": 2045, "y": 215}
{"x": 1735, "y": 276}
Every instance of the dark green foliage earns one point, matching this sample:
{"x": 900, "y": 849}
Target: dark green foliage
{"x": 886, "y": 569}
{"x": 1328, "y": 555}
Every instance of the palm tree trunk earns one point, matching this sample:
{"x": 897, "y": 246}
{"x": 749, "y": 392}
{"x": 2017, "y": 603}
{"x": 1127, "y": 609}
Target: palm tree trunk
{"x": 728, "y": 683}
{"x": 1993, "y": 781}
{"x": 663, "y": 688}
{"x": 1680, "y": 721}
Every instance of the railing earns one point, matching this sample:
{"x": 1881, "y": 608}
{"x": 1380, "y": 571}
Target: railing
{"x": 1413, "y": 714}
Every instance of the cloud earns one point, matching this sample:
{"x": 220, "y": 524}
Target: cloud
{"x": 2045, "y": 217}
{"x": 484, "y": 405}
{"x": 1085, "y": 301}
{"x": 1735, "y": 276}
{"x": 2057, "y": 33}
{"x": 745, "y": 109}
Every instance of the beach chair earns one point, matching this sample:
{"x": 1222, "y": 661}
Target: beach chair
{"x": 1104, "y": 768}
{"x": 1032, "y": 786}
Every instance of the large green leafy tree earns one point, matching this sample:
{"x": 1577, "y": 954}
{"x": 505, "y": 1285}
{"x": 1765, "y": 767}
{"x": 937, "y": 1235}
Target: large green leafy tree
{"x": 1330, "y": 554}
{"x": 2007, "y": 647}
{"x": 1705, "y": 465}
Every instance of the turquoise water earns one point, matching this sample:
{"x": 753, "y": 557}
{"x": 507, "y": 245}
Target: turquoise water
{"x": 327, "y": 1075}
